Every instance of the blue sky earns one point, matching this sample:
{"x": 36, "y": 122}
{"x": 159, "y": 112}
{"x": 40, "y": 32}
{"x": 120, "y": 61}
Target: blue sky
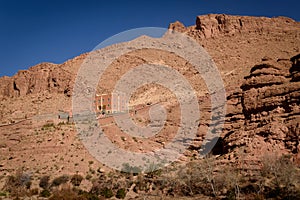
{"x": 35, "y": 31}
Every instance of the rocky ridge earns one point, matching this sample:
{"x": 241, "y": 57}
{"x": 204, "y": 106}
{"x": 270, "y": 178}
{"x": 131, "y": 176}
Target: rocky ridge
{"x": 216, "y": 25}
{"x": 262, "y": 108}
{"x": 54, "y": 78}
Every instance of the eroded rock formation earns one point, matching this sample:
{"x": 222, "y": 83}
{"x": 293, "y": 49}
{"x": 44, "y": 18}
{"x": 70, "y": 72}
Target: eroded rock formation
{"x": 214, "y": 25}
{"x": 53, "y": 78}
{"x": 267, "y": 109}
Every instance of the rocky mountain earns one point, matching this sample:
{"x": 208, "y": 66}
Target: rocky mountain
{"x": 258, "y": 59}
{"x": 263, "y": 107}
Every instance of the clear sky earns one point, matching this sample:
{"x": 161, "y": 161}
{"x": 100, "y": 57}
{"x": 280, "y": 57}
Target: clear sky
{"x": 34, "y": 31}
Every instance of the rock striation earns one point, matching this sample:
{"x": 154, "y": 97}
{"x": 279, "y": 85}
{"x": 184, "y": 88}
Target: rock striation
{"x": 216, "y": 25}
{"x": 53, "y": 78}
{"x": 267, "y": 109}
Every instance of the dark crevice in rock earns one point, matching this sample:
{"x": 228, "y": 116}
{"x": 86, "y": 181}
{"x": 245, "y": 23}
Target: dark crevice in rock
{"x": 257, "y": 86}
{"x": 262, "y": 66}
{"x": 16, "y": 88}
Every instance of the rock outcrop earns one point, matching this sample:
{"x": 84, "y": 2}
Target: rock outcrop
{"x": 54, "y": 78}
{"x": 177, "y": 26}
{"x": 215, "y": 25}
{"x": 270, "y": 103}
{"x": 45, "y": 76}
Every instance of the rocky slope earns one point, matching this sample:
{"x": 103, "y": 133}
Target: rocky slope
{"x": 237, "y": 43}
{"x": 267, "y": 114}
{"x": 262, "y": 108}
{"x": 43, "y": 77}
{"x": 42, "y": 89}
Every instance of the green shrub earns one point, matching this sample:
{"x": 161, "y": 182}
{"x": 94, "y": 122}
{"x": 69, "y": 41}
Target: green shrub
{"x": 91, "y": 162}
{"x": 48, "y": 126}
{"x": 88, "y": 177}
{"x": 87, "y": 195}
{"x": 45, "y": 193}
{"x": 44, "y": 182}
{"x": 106, "y": 192}
{"x": 60, "y": 180}
{"x": 61, "y": 123}
{"x": 121, "y": 193}
{"x": 3, "y": 194}
{"x": 76, "y": 180}
{"x": 65, "y": 194}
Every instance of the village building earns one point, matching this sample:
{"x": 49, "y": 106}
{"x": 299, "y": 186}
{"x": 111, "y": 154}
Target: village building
{"x": 111, "y": 103}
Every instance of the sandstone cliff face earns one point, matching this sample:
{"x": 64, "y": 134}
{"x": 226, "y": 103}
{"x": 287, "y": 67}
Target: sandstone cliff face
{"x": 53, "y": 78}
{"x": 263, "y": 107}
{"x": 236, "y": 49}
{"x": 215, "y": 25}
{"x": 44, "y": 89}
{"x": 268, "y": 114}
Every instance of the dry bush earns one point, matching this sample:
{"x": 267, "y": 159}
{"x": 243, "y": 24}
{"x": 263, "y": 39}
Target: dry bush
{"x": 190, "y": 180}
{"x": 44, "y": 182}
{"x": 19, "y": 184}
{"x": 230, "y": 181}
{"x": 280, "y": 176}
{"x": 34, "y": 191}
{"x": 65, "y": 193}
{"x": 109, "y": 185}
{"x": 45, "y": 193}
{"x": 197, "y": 177}
{"x": 76, "y": 180}
{"x": 121, "y": 193}
{"x": 203, "y": 177}
{"x": 60, "y": 180}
